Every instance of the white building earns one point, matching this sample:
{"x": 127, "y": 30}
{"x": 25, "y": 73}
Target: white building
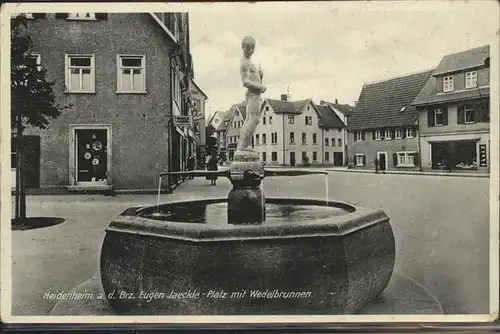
{"x": 292, "y": 133}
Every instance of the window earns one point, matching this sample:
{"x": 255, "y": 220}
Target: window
{"x": 326, "y": 142}
{"x": 80, "y": 74}
{"x": 304, "y": 156}
{"x": 309, "y": 120}
{"x": 81, "y": 16}
{"x": 327, "y": 156}
{"x": 274, "y": 156}
{"x": 315, "y": 156}
{"x": 270, "y": 119}
{"x": 410, "y": 133}
{"x": 292, "y": 137}
{"x": 131, "y": 74}
{"x": 267, "y": 108}
{"x": 359, "y": 136}
{"x": 36, "y": 60}
{"x": 340, "y": 142}
{"x": 438, "y": 116}
{"x": 378, "y": 136}
{"x": 291, "y": 119}
{"x": 315, "y": 138}
{"x": 388, "y": 134}
{"x": 333, "y": 142}
{"x": 399, "y": 133}
{"x": 405, "y": 159}
{"x": 264, "y": 139}
{"x": 469, "y": 114}
{"x": 327, "y": 129}
{"x": 264, "y": 120}
{"x": 257, "y": 142}
{"x": 304, "y": 138}
{"x": 448, "y": 84}
{"x": 274, "y": 138}
{"x": 471, "y": 79}
{"x": 264, "y": 156}
{"x": 360, "y": 159}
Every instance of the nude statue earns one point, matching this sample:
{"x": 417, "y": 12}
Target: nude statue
{"x": 252, "y": 80}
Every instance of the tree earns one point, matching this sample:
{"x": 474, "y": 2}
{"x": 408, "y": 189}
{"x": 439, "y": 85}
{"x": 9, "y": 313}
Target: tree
{"x": 32, "y": 99}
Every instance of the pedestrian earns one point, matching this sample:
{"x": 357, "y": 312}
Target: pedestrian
{"x": 212, "y": 166}
{"x": 376, "y": 162}
{"x": 190, "y": 165}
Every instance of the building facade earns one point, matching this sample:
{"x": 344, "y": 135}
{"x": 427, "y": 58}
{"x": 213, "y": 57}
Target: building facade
{"x": 293, "y": 133}
{"x": 236, "y": 118}
{"x": 383, "y": 129}
{"x": 198, "y": 101}
{"x": 453, "y": 110}
{"x": 333, "y": 136}
{"x": 126, "y": 77}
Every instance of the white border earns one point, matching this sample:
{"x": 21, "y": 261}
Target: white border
{"x": 406, "y": 6}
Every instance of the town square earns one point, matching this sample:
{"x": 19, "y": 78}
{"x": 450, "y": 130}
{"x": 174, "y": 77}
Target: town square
{"x": 187, "y": 162}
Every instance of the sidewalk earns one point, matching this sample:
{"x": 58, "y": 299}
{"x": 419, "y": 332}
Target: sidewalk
{"x": 413, "y": 172}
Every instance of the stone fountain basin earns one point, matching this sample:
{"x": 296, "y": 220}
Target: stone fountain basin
{"x": 328, "y": 266}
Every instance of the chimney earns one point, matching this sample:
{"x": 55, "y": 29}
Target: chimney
{"x": 284, "y": 97}
{"x": 336, "y": 101}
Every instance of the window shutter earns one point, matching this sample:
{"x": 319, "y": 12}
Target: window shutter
{"x": 373, "y": 134}
{"x": 415, "y": 159}
{"x": 362, "y": 135}
{"x": 445, "y": 116}
{"x": 38, "y": 15}
{"x": 364, "y": 160}
{"x": 403, "y": 134}
{"x": 461, "y": 114}
{"x": 395, "y": 159}
{"x": 101, "y": 16}
{"x": 430, "y": 118}
{"x": 62, "y": 15}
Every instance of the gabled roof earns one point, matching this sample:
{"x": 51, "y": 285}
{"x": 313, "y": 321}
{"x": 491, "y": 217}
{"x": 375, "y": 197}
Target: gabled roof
{"x": 243, "y": 111}
{"x": 198, "y": 88}
{"x": 328, "y": 118}
{"x": 387, "y": 103}
{"x": 345, "y": 109}
{"x": 464, "y": 60}
{"x": 288, "y": 107}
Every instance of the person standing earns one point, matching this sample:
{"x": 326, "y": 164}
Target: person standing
{"x": 212, "y": 166}
{"x": 190, "y": 165}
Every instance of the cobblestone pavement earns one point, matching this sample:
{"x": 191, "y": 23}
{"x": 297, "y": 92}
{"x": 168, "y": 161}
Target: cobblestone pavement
{"x": 441, "y": 225}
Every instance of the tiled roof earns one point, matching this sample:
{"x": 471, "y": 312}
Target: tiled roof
{"x": 287, "y": 107}
{"x": 463, "y": 60}
{"x": 428, "y": 96}
{"x": 387, "y": 103}
{"x": 345, "y": 109}
{"x": 227, "y": 117}
{"x": 328, "y": 118}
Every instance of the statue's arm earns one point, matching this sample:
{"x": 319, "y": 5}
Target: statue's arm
{"x": 247, "y": 82}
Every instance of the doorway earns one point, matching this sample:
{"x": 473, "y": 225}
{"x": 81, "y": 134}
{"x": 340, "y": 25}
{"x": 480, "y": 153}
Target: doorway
{"x": 382, "y": 161}
{"x": 338, "y": 159}
{"x": 91, "y": 156}
{"x": 292, "y": 159}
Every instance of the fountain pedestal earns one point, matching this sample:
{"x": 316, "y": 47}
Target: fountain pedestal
{"x": 246, "y": 200}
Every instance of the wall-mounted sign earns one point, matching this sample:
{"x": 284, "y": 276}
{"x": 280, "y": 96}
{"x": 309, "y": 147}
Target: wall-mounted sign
{"x": 483, "y": 156}
{"x": 181, "y": 120}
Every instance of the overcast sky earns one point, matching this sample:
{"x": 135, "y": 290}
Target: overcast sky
{"x": 325, "y": 51}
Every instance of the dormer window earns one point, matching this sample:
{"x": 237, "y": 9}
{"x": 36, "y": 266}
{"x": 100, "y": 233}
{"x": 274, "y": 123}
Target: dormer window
{"x": 448, "y": 84}
{"x": 81, "y": 16}
{"x": 471, "y": 79}
{"x": 378, "y": 135}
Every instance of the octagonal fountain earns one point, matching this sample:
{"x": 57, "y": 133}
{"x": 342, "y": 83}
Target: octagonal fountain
{"x": 247, "y": 254}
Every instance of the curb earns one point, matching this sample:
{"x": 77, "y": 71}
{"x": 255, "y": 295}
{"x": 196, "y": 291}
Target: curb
{"x": 476, "y": 175}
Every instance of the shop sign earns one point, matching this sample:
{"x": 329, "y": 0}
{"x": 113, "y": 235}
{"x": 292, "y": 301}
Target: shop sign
{"x": 483, "y": 158}
{"x": 182, "y": 120}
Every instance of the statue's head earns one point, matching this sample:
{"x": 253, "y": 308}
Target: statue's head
{"x": 248, "y": 46}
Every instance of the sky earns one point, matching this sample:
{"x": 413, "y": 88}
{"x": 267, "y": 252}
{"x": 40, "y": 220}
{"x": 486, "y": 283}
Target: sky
{"x": 327, "y": 51}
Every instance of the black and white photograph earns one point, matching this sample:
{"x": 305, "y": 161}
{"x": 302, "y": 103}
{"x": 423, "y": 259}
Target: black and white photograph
{"x": 250, "y": 162}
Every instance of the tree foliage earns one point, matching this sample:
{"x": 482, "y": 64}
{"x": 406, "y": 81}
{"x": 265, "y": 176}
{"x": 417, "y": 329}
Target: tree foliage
{"x": 32, "y": 96}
